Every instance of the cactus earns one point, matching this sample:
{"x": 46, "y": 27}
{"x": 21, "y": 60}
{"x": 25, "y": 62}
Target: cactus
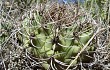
{"x": 53, "y": 34}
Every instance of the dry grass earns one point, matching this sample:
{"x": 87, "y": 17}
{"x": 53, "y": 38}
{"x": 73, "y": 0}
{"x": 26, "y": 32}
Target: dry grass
{"x": 18, "y": 22}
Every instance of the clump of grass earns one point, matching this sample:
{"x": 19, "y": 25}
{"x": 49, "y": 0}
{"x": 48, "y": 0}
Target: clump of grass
{"x": 48, "y": 35}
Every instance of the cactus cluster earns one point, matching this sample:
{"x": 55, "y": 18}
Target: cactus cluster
{"x": 55, "y": 33}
